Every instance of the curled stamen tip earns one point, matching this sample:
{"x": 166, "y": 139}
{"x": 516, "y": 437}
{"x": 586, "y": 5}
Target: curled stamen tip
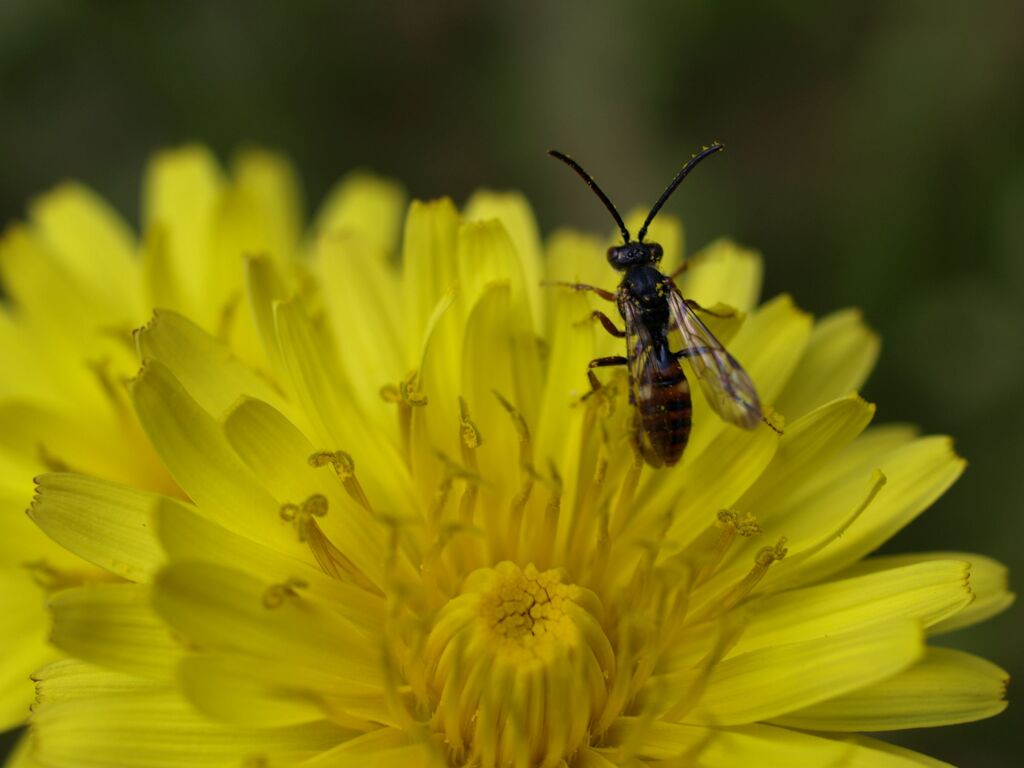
{"x": 316, "y": 505}
{"x": 468, "y": 430}
{"x": 768, "y": 555}
{"x": 288, "y": 512}
{"x": 275, "y": 595}
{"x": 342, "y": 463}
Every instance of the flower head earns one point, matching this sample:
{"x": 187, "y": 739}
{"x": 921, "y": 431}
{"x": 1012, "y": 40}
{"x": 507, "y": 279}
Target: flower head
{"x": 417, "y": 537}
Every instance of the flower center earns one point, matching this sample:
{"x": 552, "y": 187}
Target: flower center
{"x": 518, "y": 667}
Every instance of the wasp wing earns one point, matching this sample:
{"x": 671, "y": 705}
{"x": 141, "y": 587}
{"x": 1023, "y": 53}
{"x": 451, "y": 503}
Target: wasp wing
{"x": 725, "y": 384}
{"x": 638, "y": 351}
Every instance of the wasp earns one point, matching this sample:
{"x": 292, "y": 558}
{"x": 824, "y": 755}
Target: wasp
{"x": 651, "y": 307}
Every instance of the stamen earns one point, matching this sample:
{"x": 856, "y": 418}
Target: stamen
{"x": 762, "y": 561}
{"x": 407, "y": 396}
{"x": 732, "y": 524}
{"x": 275, "y": 595}
{"x": 345, "y": 469}
{"x": 522, "y": 497}
{"x": 332, "y": 561}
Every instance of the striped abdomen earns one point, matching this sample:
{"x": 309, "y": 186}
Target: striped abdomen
{"x": 663, "y": 402}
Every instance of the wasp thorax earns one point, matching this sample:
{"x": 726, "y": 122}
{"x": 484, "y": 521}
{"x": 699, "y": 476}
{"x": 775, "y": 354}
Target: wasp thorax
{"x": 634, "y": 255}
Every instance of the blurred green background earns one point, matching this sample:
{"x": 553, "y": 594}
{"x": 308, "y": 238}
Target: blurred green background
{"x": 875, "y": 156}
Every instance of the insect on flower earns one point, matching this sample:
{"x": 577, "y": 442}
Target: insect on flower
{"x": 651, "y": 306}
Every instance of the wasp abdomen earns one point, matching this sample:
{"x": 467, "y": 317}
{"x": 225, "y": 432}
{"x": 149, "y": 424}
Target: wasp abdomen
{"x": 665, "y": 411}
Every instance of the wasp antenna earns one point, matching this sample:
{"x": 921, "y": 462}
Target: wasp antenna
{"x": 597, "y": 190}
{"x": 690, "y": 165}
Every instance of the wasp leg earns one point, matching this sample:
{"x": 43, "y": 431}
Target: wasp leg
{"x": 604, "y": 362}
{"x": 691, "y": 351}
{"x": 606, "y": 322}
{"x": 698, "y": 308}
{"x": 606, "y": 295}
{"x": 680, "y": 269}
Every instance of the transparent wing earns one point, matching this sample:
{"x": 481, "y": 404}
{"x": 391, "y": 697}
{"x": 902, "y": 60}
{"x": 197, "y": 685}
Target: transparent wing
{"x": 638, "y": 350}
{"x": 725, "y": 384}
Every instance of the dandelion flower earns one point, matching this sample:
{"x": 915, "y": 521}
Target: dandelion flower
{"x": 76, "y": 282}
{"x": 411, "y": 540}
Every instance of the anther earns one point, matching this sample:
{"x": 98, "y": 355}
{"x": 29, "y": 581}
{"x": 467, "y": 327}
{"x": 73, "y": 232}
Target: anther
{"x": 344, "y": 467}
{"x": 467, "y": 429}
{"x": 275, "y": 595}
{"x": 301, "y": 515}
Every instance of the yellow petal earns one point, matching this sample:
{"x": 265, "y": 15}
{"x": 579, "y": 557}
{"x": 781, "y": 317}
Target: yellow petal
{"x": 24, "y": 625}
{"x": 93, "y": 244}
{"x": 114, "y": 626}
{"x": 107, "y": 524}
{"x": 773, "y": 681}
{"x": 838, "y": 358}
{"x": 90, "y": 718}
{"x": 223, "y": 609}
{"x": 326, "y": 394}
{"x": 205, "y": 366}
{"x": 200, "y": 458}
{"x": 265, "y": 286}
{"x": 943, "y": 688}
{"x": 917, "y": 474}
{"x": 766, "y": 745}
{"x": 486, "y": 255}
{"x": 270, "y": 181}
{"x": 770, "y": 344}
{"x": 429, "y": 265}
{"x": 724, "y": 273}
{"x": 361, "y": 295}
{"x": 234, "y": 689}
{"x": 808, "y": 446}
{"x": 382, "y": 748}
{"x": 278, "y": 454}
{"x": 989, "y": 583}
{"x": 516, "y": 216}
{"x": 180, "y": 194}
{"x": 368, "y": 207}
{"x": 186, "y": 535}
{"x": 927, "y": 592}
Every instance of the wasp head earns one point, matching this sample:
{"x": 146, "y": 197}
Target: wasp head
{"x": 635, "y": 254}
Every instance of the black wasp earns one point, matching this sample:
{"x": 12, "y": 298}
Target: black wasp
{"x": 651, "y": 306}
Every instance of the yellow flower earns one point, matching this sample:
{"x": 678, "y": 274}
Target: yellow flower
{"x": 410, "y": 540}
{"x": 77, "y": 282}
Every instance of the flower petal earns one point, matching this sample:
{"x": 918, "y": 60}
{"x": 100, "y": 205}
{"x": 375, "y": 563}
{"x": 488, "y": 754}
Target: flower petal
{"x": 200, "y": 458}
{"x": 769, "y": 745}
{"x": 180, "y": 194}
{"x": 278, "y": 453}
{"x": 187, "y": 535}
{"x": 724, "y": 273}
{"x": 917, "y": 474}
{"x": 270, "y": 182}
{"x": 989, "y": 583}
{"x": 839, "y": 356}
{"x": 223, "y": 609}
{"x": 107, "y": 524}
{"x": 943, "y": 688}
{"x": 91, "y": 718}
{"x": 429, "y": 267}
{"x": 928, "y": 592}
{"x": 204, "y": 365}
{"x": 775, "y": 680}
{"x": 114, "y": 626}
{"x": 24, "y": 625}
{"x": 368, "y": 207}
{"x": 516, "y": 216}
{"x": 93, "y": 244}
